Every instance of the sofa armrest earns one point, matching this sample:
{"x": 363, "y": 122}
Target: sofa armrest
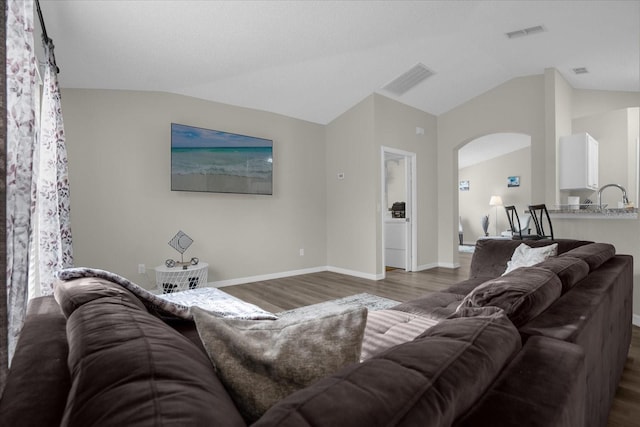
{"x": 543, "y": 386}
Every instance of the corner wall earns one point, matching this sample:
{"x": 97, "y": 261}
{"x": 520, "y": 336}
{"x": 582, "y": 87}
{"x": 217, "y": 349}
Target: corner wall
{"x": 351, "y": 201}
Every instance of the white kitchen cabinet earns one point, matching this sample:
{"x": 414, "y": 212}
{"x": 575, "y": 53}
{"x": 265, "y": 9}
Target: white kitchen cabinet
{"x": 578, "y": 156}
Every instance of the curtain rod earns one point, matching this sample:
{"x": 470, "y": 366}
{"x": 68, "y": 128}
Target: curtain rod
{"x": 46, "y": 41}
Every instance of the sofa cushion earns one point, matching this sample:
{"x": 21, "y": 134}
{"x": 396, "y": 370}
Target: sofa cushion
{"x": 435, "y": 305}
{"x": 429, "y": 381}
{"x": 74, "y": 293}
{"x": 130, "y": 369}
{"x": 465, "y": 286}
{"x": 261, "y": 362}
{"x": 388, "y": 328}
{"x": 491, "y": 255}
{"x": 594, "y": 254}
{"x": 522, "y": 294}
{"x": 569, "y": 270}
{"x": 526, "y": 256}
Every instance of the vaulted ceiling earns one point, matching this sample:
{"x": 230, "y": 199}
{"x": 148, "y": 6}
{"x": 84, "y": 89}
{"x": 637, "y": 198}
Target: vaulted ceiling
{"x": 313, "y": 60}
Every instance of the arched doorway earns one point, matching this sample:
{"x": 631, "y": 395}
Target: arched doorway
{"x": 497, "y": 164}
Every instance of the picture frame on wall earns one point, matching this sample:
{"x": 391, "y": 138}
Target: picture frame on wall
{"x": 464, "y": 186}
{"x": 513, "y": 181}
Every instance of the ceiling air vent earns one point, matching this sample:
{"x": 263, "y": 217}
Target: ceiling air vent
{"x": 525, "y": 32}
{"x": 408, "y": 80}
{"x": 580, "y": 70}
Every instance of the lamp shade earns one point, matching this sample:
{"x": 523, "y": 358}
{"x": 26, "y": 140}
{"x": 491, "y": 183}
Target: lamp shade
{"x": 495, "y": 201}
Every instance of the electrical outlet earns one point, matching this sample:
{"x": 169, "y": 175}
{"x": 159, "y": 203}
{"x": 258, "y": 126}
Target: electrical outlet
{"x": 301, "y": 252}
{"x": 142, "y": 269}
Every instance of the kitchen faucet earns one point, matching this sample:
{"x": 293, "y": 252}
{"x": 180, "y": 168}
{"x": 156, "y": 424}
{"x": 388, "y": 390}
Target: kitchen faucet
{"x": 625, "y": 200}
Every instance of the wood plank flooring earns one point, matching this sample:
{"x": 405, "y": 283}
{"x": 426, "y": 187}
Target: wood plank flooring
{"x": 291, "y": 292}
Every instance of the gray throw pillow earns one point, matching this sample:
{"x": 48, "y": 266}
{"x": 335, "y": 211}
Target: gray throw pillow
{"x": 263, "y": 361}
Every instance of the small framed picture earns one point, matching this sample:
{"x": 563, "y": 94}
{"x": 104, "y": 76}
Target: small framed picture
{"x": 464, "y": 186}
{"x": 513, "y": 181}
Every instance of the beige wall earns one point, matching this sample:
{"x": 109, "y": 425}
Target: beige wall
{"x": 354, "y": 204}
{"x": 123, "y": 212}
{"x": 487, "y": 179}
{"x": 558, "y": 101}
{"x": 395, "y": 127}
{"x": 351, "y": 202}
{"x": 515, "y": 106}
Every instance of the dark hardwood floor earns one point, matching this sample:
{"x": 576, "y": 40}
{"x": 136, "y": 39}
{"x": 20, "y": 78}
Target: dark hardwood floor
{"x": 287, "y": 293}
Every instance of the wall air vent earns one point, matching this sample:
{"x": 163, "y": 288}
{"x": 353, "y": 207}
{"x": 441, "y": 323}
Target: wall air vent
{"x": 580, "y": 70}
{"x": 526, "y": 32}
{"x": 408, "y": 80}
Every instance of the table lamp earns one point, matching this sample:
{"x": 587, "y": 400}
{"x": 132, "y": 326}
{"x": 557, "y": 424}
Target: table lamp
{"x": 496, "y": 201}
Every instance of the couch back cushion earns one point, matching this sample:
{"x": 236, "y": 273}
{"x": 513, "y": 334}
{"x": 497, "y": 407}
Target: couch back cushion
{"x": 594, "y": 254}
{"x": 129, "y": 368}
{"x": 76, "y": 292}
{"x": 490, "y": 257}
{"x": 522, "y": 294}
{"x": 429, "y": 381}
{"x": 569, "y": 270}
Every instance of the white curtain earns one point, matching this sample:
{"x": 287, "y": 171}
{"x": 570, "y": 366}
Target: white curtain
{"x": 37, "y": 185}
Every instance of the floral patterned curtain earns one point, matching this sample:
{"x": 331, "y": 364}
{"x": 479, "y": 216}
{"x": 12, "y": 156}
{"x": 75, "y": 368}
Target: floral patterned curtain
{"x": 21, "y": 137}
{"x": 38, "y": 229}
{"x": 51, "y": 248}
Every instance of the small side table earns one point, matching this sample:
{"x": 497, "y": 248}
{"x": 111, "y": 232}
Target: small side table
{"x": 174, "y": 279}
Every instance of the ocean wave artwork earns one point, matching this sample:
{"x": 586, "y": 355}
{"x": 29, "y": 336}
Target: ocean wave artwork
{"x": 223, "y": 162}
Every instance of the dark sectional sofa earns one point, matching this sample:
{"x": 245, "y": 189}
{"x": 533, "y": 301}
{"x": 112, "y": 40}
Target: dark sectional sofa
{"x": 541, "y": 346}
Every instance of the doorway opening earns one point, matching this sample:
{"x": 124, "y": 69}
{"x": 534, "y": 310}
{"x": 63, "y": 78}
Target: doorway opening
{"x": 492, "y": 167}
{"x": 399, "y": 210}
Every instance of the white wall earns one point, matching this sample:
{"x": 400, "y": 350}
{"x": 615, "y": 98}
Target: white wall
{"x": 487, "y": 179}
{"x": 123, "y": 212}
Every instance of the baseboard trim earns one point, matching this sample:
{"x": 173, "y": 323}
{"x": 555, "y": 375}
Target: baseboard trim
{"x": 636, "y": 320}
{"x": 427, "y": 266}
{"x": 449, "y": 264}
{"x": 260, "y": 278}
{"x": 354, "y": 273}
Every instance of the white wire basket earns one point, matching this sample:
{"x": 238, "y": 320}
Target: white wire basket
{"x": 174, "y": 279}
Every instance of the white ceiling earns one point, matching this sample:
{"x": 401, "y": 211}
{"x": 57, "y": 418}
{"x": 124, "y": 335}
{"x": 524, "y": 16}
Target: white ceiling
{"x": 314, "y": 60}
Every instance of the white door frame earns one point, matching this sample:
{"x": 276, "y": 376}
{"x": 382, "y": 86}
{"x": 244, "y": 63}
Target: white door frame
{"x": 411, "y": 206}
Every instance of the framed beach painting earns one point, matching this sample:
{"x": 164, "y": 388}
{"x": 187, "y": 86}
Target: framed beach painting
{"x": 513, "y": 181}
{"x": 220, "y": 162}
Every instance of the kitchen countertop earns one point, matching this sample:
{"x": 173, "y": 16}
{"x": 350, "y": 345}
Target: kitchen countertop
{"x": 594, "y": 213}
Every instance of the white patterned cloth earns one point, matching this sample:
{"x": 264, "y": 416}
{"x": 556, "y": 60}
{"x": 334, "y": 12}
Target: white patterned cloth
{"x": 177, "y": 304}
